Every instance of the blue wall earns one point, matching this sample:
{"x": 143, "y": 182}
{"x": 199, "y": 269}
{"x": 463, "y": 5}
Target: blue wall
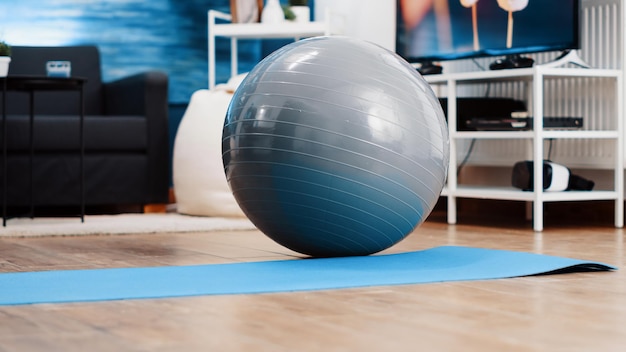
{"x": 133, "y": 36}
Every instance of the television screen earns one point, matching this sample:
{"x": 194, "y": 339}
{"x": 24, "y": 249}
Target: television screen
{"x": 437, "y": 30}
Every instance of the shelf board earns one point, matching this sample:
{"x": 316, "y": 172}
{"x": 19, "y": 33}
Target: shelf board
{"x": 579, "y": 196}
{"x": 579, "y": 72}
{"x": 481, "y": 76}
{"x": 492, "y": 134}
{"x": 580, "y": 134}
{"x": 510, "y": 193}
{"x": 527, "y": 134}
{"x": 519, "y": 74}
{"x": 270, "y": 31}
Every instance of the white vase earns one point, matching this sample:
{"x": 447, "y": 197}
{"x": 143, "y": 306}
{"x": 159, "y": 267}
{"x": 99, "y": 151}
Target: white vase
{"x": 272, "y": 12}
{"x": 303, "y": 13}
{"x": 4, "y": 65}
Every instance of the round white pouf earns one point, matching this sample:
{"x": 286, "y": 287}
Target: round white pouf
{"x": 198, "y": 172}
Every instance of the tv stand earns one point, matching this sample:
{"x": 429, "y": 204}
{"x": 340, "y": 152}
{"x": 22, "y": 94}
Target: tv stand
{"x": 512, "y": 61}
{"x": 429, "y": 68}
{"x": 567, "y": 57}
{"x": 535, "y": 79}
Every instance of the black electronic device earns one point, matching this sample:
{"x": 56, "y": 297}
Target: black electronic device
{"x": 430, "y": 69}
{"x": 429, "y": 32}
{"x": 512, "y": 123}
{"x": 511, "y": 61}
{"x": 488, "y": 109}
{"x": 499, "y": 124}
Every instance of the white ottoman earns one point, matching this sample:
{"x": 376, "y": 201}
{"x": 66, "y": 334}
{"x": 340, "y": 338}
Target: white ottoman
{"x": 200, "y": 185}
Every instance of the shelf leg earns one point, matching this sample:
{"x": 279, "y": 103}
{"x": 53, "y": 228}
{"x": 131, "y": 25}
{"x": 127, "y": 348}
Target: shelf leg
{"x": 538, "y": 216}
{"x": 538, "y": 150}
{"x": 452, "y": 168}
{"x": 619, "y": 154}
{"x": 32, "y": 153}
{"x": 451, "y": 210}
{"x": 81, "y": 135}
{"x": 4, "y": 152}
{"x": 234, "y": 57}
{"x": 211, "y": 47}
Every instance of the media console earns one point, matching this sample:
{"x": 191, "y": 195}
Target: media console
{"x": 534, "y": 79}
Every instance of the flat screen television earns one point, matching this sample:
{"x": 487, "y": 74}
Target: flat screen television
{"x": 437, "y": 30}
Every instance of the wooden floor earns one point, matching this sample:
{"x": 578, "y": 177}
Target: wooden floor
{"x": 570, "y": 312}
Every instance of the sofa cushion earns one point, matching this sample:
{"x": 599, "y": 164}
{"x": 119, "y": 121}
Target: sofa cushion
{"x": 56, "y": 180}
{"x": 54, "y": 133}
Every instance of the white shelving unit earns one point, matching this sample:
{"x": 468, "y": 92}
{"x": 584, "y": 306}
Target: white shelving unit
{"x": 235, "y": 31}
{"x": 534, "y": 78}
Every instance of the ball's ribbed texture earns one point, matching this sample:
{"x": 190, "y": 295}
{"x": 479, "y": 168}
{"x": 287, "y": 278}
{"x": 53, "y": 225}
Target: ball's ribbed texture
{"x": 334, "y": 146}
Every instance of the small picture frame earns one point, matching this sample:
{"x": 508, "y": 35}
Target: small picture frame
{"x": 246, "y": 11}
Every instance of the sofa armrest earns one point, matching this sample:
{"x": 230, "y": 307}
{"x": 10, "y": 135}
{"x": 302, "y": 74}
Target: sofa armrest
{"x": 146, "y": 94}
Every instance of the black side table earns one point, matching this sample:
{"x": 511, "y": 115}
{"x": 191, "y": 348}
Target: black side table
{"x": 31, "y": 84}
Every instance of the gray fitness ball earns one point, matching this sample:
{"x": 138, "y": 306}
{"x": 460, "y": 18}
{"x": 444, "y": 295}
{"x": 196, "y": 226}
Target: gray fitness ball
{"x": 334, "y": 146}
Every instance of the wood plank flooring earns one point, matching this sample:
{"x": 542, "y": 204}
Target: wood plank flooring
{"x": 572, "y": 312}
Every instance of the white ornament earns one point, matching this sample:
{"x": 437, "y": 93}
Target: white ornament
{"x": 513, "y": 5}
{"x": 468, "y": 3}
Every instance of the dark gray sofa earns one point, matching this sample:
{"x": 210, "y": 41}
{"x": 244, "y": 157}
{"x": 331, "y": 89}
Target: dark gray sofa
{"x": 125, "y": 133}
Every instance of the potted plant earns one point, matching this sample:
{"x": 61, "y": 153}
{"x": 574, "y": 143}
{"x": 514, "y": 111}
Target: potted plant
{"x": 300, "y": 8}
{"x": 5, "y": 58}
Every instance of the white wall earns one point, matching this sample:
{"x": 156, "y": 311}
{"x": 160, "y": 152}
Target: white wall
{"x": 371, "y": 20}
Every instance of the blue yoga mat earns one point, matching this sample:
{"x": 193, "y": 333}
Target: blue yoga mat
{"x": 448, "y": 263}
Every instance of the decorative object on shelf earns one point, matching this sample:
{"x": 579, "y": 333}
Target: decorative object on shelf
{"x": 556, "y": 178}
{"x": 5, "y": 58}
{"x": 289, "y": 15}
{"x": 272, "y": 12}
{"x": 246, "y": 11}
{"x": 301, "y": 10}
